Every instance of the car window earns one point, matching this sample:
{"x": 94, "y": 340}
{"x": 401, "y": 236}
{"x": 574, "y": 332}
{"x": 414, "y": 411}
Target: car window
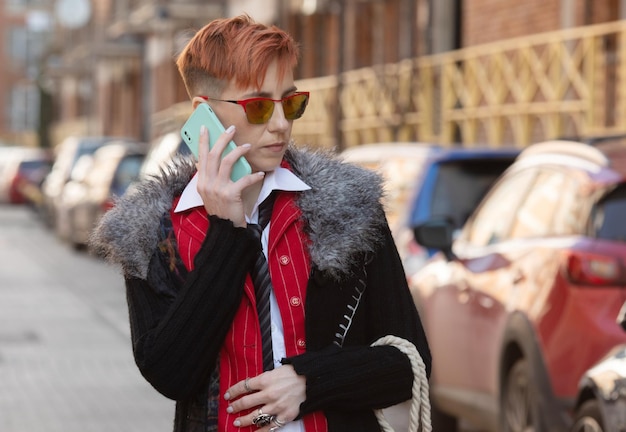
{"x": 492, "y": 220}
{"x": 126, "y": 173}
{"x": 81, "y": 168}
{"x": 460, "y": 186}
{"x": 570, "y": 216}
{"x": 536, "y": 215}
{"x": 609, "y": 215}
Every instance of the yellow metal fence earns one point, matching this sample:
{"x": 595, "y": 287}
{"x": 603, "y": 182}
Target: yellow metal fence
{"x": 569, "y": 83}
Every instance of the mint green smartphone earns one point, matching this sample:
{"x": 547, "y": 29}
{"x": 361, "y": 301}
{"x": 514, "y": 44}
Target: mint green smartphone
{"x": 190, "y": 132}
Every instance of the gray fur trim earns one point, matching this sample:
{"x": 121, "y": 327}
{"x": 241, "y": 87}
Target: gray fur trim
{"x": 342, "y": 213}
{"x": 128, "y": 233}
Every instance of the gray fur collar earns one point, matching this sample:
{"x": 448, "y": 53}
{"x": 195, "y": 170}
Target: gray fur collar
{"x": 342, "y": 213}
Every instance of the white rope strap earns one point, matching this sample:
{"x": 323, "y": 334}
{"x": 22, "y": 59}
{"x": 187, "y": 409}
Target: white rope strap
{"x": 420, "y": 403}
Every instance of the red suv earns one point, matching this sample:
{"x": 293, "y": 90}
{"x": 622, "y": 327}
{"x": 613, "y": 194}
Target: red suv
{"x": 523, "y": 301}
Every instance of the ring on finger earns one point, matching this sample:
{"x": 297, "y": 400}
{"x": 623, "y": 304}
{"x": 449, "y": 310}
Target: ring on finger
{"x": 262, "y": 420}
{"x": 278, "y": 423}
{"x": 246, "y": 385}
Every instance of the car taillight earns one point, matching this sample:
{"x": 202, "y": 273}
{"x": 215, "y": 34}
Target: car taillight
{"x": 583, "y": 268}
{"x": 16, "y": 195}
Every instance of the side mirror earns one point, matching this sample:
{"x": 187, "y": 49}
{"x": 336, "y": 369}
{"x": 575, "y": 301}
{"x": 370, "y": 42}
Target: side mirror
{"x": 436, "y": 234}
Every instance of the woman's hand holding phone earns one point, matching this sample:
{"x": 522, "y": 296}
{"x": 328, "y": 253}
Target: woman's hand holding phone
{"x": 221, "y": 196}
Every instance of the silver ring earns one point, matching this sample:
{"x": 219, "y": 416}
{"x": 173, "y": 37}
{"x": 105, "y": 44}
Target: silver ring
{"x": 247, "y": 386}
{"x": 263, "y": 420}
{"x": 278, "y": 422}
{"x": 274, "y": 428}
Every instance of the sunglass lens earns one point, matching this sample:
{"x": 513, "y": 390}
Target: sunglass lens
{"x": 259, "y": 111}
{"x": 294, "y": 106}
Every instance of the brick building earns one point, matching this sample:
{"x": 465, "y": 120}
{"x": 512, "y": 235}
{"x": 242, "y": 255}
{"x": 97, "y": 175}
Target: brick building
{"x": 114, "y": 73}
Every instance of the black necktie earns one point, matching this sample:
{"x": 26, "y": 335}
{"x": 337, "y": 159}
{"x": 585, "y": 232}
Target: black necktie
{"x": 263, "y": 284}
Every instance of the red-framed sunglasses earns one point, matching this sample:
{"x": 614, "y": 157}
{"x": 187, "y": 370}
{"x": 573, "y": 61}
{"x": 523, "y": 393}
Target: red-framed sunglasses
{"x": 259, "y": 110}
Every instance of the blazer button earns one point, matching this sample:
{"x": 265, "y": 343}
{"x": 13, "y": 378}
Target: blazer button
{"x": 301, "y": 343}
{"x": 295, "y": 301}
{"x": 284, "y": 260}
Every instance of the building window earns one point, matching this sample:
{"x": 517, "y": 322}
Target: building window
{"x": 23, "y": 108}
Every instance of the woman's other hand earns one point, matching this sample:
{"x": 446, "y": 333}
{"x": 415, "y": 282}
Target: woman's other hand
{"x": 278, "y": 393}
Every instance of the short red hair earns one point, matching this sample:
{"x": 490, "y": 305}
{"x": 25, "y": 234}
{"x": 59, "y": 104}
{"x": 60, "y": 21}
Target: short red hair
{"x": 238, "y": 49}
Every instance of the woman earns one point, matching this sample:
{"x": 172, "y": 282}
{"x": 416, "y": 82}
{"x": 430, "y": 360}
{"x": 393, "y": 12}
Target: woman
{"x": 187, "y": 256}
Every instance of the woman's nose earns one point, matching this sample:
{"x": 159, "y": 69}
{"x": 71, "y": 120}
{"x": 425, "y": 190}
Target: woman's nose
{"x": 278, "y": 122}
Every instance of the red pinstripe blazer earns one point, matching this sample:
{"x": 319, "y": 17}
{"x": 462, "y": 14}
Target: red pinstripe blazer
{"x": 290, "y": 266}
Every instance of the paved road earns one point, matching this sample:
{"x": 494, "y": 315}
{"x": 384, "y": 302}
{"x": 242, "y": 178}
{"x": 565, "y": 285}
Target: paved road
{"x": 65, "y": 357}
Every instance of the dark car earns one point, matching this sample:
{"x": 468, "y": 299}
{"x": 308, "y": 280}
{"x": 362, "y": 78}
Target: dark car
{"x": 523, "y": 301}
{"x": 424, "y": 182}
{"x": 601, "y": 401}
{"x": 96, "y": 182}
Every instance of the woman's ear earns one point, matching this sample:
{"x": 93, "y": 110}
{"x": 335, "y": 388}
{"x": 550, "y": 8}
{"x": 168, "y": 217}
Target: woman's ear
{"x": 197, "y": 101}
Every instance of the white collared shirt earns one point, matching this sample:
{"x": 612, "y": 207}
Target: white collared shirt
{"x": 279, "y": 179}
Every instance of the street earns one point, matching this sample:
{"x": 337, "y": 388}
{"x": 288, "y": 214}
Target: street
{"x": 66, "y": 363}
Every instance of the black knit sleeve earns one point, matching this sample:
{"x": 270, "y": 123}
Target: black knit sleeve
{"x": 354, "y": 378}
{"x": 177, "y": 338}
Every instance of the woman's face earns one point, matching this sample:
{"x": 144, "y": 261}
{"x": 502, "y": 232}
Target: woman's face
{"x": 268, "y": 141}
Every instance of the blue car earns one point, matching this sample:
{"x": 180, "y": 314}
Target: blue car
{"x": 425, "y": 181}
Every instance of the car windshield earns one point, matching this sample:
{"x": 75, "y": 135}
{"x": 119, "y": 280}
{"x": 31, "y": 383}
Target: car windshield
{"x": 461, "y": 184}
{"x": 609, "y": 215}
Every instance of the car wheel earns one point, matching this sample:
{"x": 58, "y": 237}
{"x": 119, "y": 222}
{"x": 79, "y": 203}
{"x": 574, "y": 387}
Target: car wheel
{"x": 588, "y": 418}
{"x": 516, "y": 406}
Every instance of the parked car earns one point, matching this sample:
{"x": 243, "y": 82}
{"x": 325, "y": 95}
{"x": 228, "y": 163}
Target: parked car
{"x": 5, "y": 155}
{"x": 22, "y": 172}
{"x": 161, "y": 153}
{"x": 96, "y": 182}
{"x": 424, "y": 182}
{"x": 523, "y": 301}
{"x": 67, "y": 154}
{"x": 601, "y": 401}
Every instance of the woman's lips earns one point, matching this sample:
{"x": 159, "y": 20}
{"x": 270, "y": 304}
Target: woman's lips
{"x": 278, "y": 147}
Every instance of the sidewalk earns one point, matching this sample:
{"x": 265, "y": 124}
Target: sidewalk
{"x": 65, "y": 357}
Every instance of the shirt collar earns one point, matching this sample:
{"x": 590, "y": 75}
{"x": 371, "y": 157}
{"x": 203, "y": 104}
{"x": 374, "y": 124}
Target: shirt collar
{"x": 279, "y": 179}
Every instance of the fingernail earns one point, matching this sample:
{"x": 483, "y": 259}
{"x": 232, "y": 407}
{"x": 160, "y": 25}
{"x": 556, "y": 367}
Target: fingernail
{"x": 226, "y": 396}
{"x": 237, "y": 423}
{"x": 203, "y": 129}
{"x": 245, "y": 145}
{"x": 230, "y": 129}
{"x": 229, "y": 410}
